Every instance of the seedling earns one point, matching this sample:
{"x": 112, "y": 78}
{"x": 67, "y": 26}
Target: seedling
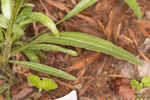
{"x": 42, "y": 84}
{"x": 136, "y": 85}
{"x": 15, "y": 18}
{"x": 145, "y": 82}
{"x": 139, "y": 99}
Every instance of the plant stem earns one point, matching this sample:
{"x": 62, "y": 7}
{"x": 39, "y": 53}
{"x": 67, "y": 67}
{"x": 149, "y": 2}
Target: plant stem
{"x": 8, "y": 42}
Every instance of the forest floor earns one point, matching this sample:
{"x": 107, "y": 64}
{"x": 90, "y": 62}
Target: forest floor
{"x": 99, "y": 76}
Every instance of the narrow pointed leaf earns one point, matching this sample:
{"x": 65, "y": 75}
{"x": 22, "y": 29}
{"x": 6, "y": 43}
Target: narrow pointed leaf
{"x": 17, "y": 33}
{"x": 6, "y": 8}
{"x": 3, "y": 21}
{"x": 40, "y": 53}
{"x": 24, "y": 23}
{"x": 31, "y": 56}
{"x": 1, "y": 36}
{"x": 24, "y": 14}
{"x": 4, "y": 87}
{"x": 48, "y": 47}
{"x": 44, "y": 47}
{"x": 45, "y": 21}
{"x": 82, "y": 40}
{"x": 83, "y": 4}
{"x": 135, "y": 7}
{"x": 45, "y": 69}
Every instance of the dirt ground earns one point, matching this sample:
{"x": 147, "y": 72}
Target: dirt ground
{"x": 98, "y": 75}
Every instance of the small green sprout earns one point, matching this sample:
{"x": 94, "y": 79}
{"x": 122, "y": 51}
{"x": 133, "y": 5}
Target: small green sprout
{"x": 44, "y": 83}
{"x": 136, "y": 85}
{"x": 145, "y": 82}
{"x": 139, "y": 99}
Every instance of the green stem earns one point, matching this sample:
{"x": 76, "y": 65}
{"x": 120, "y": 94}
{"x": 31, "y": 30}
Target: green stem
{"x": 8, "y": 42}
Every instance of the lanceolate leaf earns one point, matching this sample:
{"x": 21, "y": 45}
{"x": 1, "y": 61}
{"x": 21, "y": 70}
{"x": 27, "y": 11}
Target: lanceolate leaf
{"x": 48, "y": 47}
{"x": 40, "y": 53}
{"x": 31, "y": 55}
{"x": 24, "y": 23}
{"x": 45, "y": 69}
{"x": 6, "y": 8}
{"x": 3, "y": 21}
{"x": 44, "y": 47}
{"x": 1, "y": 36}
{"x": 83, "y": 4}
{"x": 45, "y": 21}
{"x": 4, "y": 87}
{"x": 17, "y": 33}
{"x": 89, "y": 42}
{"x": 24, "y": 14}
{"x": 134, "y": 5}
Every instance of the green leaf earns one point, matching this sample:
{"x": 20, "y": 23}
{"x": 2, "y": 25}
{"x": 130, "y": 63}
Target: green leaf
{"x": 8, "y": 95}
{"x": 146, "y": 81}
{"x": 6, "y": 8}
{"x": 24, "y": 14}
{"x": 3, "y": 21}
{"x": 34, "y": 80}
{"x": 17, "y": 33}
{"x": 83, "y": 4}
{"x": 82, "y": 40}
{"x": 48, "y": 84}
{"x": 4, "y": 87}
{"x": 1, "y": 36}
{"x": 45, "y": 69}
{"x": 45, "y": 83}
{"x": 135, "y": 84}
{"x": 31, "y": 55}
{"x": 139, "y": 99}
{"x": 24, "y": 23}
{"x": 45, "y": 47}
{"x": 134, "y": 5}
{"x": 48, "y": 47}
{"x": 40, "y": 53}
{"x": 45, "y": 21}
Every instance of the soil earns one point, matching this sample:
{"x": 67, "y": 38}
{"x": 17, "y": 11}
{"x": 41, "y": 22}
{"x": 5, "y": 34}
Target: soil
{"x": 97, "y": 74}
